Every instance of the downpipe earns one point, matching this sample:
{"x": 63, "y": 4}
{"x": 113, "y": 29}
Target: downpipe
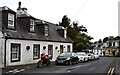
{"x": 5, "y": 53}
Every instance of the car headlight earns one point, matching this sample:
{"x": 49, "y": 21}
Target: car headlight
{"x": 68, "y": 58}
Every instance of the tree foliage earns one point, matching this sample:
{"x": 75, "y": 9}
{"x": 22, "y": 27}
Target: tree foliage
{"x": 65, "y": 21}
{"x": 79, "y": 28}
{"x": 81, "y": 40}
{"x": 105, "y": 39}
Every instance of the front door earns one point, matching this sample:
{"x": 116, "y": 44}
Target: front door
{"x": 61, "y": 49}
{"x": 50, "y": 50}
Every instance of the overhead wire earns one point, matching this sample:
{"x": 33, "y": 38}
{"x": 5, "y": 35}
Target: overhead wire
{"x": 80, "y": 8}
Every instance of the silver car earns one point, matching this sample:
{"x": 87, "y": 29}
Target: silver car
{"x": 82, "y": 56}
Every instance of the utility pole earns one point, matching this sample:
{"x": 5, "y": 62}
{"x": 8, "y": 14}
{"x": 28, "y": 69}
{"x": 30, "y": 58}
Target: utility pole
{"x": 119, "y": 48}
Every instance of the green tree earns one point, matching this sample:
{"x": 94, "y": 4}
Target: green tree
{"x": 79, "y": 28}
{"x": 100, "y": 41}
{"x": 105, "y": 39}
{"x": 81, "y": 40}
{"x": 117, "y": 38}
{"x": 65, "y": 21}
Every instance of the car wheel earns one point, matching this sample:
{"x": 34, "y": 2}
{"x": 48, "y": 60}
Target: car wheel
{"x": 66, "y": 63}
{"x": 56, "y": 63}
{"x": 84, "y": 60}
{"x": 48, "y": 63}
{"x": 77, "y": 61}
{"x": 70, "y": 63}
{"x": 39, "y": 64}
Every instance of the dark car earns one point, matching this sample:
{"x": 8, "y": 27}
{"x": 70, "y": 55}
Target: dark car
{"x": 67, "y": 58}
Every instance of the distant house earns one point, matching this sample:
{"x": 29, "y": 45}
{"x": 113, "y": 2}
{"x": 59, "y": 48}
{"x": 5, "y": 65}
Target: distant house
{"x": 97, "y": 49}
{"x": 23, "y": 38}
{"x": 111, "y": 48}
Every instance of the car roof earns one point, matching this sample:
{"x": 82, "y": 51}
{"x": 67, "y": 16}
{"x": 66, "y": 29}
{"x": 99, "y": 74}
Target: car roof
{"x": 80, "y": 52}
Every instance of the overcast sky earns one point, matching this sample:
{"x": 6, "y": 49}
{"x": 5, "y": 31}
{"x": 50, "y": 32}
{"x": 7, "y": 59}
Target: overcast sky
{"x": 99, "y": 16}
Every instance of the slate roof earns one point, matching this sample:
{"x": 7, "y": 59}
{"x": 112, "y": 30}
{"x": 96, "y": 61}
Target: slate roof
{"x": 5, "y": 8}
{"x": 22, "y": 33}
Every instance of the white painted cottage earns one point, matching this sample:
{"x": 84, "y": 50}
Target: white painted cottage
{"x": 23, "y": 38}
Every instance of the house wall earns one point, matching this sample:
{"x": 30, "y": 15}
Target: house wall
{"x": 1, "y": 50}
{"x": 119, "y": 18}
{"x": 0, "y": 20}
{"x": 27, "y": 55}
{"x": 99, "y": 52}
{"x": 109, "y": 51}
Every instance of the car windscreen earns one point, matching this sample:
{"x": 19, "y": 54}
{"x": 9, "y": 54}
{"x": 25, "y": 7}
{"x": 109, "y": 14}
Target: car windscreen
{"x": 65, "y": 54}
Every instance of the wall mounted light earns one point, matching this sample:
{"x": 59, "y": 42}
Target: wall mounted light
{"x": 28, "y": 47}
{"x": 56, "y": 47}
{"x": 44, "y": 47}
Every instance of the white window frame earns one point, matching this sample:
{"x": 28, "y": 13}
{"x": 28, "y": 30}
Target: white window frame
{"x": 46, "y": 30}
{"x": 11, "y": 18}
{"x": 16, "y": 51}
{"x": 36, "y": 51}
{"x": 32, "y": 24}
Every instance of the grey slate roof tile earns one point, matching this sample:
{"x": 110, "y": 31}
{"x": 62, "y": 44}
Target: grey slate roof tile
{"x": 22, "y": 33}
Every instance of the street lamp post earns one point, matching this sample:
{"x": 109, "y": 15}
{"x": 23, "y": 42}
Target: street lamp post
{"x": 119, "y": 48}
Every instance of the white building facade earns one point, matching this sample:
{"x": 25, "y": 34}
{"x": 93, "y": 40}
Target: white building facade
{"x": 27, "y": 56}
{"x": 24, "y": 38}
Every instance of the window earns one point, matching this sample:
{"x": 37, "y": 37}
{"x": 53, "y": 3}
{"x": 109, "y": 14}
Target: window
{"x": 15, "y": 52}
{"x": 46, "y": 30}
{"x": 113, "y": 44}
{"x": 36, "y": 51}
{"x": 68, "y": 48}
{"x": 32, "y": 23}
{"x": 10, "y": 20}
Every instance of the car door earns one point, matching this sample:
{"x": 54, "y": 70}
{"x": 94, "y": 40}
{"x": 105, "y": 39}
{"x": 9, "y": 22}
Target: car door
{"x": 74, "y": 57}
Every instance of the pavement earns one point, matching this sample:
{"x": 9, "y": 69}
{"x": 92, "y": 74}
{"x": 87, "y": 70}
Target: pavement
{"x": 20, "y": 68}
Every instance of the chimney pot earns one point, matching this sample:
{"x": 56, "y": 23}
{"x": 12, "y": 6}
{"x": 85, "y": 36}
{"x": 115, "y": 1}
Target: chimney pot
{"x": 19, "y": 6}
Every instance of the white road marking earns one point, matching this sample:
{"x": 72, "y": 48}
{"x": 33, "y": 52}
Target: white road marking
{"x": 28, "y": 67}
{"x": 10, "y": 71}
{"x": 112, "y": 71}
{"x": 87, "y": 64}
{"x": 91, "y": 68}
{"x": 109, "y": 71}
{"x": 21, "y": 70}
{"x": 15, "y": 71}
{"x": 68, "y": 71}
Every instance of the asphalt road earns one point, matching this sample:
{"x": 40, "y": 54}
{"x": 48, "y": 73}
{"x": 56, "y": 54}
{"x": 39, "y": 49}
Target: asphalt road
{"x": 103, "y": 66}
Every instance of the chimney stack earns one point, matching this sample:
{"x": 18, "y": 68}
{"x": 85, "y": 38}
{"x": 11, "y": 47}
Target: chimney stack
{"x": 65, "y": 32}
{"x": 62, "y": 31}
{"x": 19, "y": 6}
{"x": 21, "y": 10}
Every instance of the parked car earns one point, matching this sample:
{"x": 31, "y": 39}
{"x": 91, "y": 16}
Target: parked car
{"x": 67, "y": 58}
{"x": 82, "y": 56}
{"x": 90, "y": 56}
{"x": 96, "y": 56}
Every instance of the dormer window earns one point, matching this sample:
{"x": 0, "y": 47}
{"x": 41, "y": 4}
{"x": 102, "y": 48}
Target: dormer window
{"x": 10, "y": 20}
{"x": 32, "y": 24}
{"x": 46, "y": 30}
